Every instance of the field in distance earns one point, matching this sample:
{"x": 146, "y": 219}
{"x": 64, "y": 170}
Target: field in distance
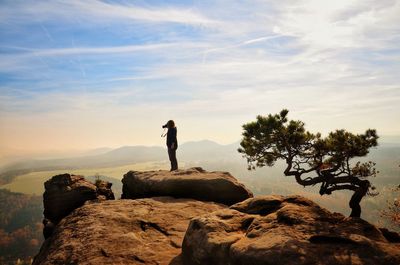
{"x": 33, "y": 183}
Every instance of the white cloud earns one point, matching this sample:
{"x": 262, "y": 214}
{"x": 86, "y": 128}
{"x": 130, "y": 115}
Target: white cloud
{"x": 102, "y": 9}
{"x": 93, "y": 10}
{"x": 341, "y": 24}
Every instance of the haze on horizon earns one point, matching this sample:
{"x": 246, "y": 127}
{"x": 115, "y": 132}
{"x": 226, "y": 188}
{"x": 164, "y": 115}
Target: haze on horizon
{"x": 87, "y": 74}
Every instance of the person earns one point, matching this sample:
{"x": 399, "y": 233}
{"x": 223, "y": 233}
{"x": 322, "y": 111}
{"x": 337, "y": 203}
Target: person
{"x": 172, "y": 144}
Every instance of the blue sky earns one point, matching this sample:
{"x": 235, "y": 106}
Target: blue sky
{"x": 85, "y": 74}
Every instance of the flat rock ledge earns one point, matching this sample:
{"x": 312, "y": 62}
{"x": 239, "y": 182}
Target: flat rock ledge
{"x": 143, "y": 231}
{"x": 194, "y": 183}
{"x": 285, "y": 230}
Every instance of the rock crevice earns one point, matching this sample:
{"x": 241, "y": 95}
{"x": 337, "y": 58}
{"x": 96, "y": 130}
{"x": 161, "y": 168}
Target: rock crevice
{"x": 284, "y": 230}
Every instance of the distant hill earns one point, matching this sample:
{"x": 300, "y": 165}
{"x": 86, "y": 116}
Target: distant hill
{"x": 191, "y": 151}
{"x": 208, "y": 151}
{"x": 117, "y": 157}
{"x": 205, "y": 153}
{"x": 97, "y": 151}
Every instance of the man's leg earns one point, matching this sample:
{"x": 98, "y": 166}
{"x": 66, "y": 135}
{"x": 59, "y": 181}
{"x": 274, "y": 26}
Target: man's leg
{"x": 172, "y": 158}
{"x": 175, "y": 161}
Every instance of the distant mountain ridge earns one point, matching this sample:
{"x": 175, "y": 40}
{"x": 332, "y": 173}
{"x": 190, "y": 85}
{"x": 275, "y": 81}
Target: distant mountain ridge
{"x": 203, "y": 152}
{"x": 116, "y": 157}
{"x": 193, "y": 151}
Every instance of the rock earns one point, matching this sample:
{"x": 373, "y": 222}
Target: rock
{"x": 48, "y": 228}
{"x": 285, "y": 230}
{"x": 64, "y": 193}
{"x": 104, "y": 189}
{"x": 391, "y": 236}
{"x": 143, "y": 231}
{"x": 194, "y": 183}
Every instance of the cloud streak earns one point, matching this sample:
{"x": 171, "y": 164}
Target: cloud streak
{"x": 21, "y": 11}
{"x": 105, "y": 50}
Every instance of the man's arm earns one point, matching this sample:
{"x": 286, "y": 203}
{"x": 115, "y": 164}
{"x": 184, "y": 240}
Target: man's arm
{"x": 173, "y": 145}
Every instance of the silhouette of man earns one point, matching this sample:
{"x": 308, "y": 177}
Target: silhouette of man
{"x": 172, "y": 144}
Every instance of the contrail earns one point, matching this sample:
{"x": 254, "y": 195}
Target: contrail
{"x": 243, "y": 43}
{"x": 83, "y": 72}
{"x": 47, "y": 33}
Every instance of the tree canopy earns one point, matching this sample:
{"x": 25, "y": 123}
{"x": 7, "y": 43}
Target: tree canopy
{"x": 310, "y": 158}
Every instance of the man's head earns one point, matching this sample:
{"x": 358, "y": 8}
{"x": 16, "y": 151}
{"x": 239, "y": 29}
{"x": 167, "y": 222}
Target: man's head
{"x": 169, "y": 124}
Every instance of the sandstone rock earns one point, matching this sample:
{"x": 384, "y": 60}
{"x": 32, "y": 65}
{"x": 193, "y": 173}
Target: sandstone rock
{"x": 48, "y": 228}
{"x": 285, "y": 230}
{"x": 143, "y": 231}
{"x": 64, "y": 193}
{"x": 104, "y": 189}
{"x": 194, "y": 183}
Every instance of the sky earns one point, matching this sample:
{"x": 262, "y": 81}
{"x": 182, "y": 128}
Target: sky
{"x": 77, "y": 75}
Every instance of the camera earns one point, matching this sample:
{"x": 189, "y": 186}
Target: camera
{"x": 169, "y": 124}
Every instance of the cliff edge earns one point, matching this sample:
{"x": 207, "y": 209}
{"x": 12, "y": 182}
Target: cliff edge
{"x": 192, "y": 217}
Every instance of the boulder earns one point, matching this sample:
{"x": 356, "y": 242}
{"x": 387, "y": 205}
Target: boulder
{"x": 194, "y": 183}
{"x": 104, "y": 189}
{"x": 143, "y": 231}
{"x": 285, "y": 230}
{"x": 64, "y": 193}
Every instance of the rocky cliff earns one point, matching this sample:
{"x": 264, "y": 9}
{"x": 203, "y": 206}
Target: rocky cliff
{"x": 192, "y": 217}
{"x": 65, "y": 193}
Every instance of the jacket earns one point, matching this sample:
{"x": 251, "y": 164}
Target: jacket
{"x": 171, "y": 137}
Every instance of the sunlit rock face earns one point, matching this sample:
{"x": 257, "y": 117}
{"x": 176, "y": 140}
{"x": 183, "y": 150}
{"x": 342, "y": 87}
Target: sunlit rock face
{"x": 142, "y": 231}
{"x": 285, "y": 230}
{"x": 194, "y": 183}
{"x": 64, "y": 193}
{"x": 208, "y": 218}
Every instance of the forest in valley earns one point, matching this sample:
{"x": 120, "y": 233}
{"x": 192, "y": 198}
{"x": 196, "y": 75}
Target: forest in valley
{"x": 20, "y": 227}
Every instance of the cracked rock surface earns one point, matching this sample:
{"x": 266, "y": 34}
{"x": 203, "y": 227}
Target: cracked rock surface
{"x": 275, "y": 230}
{"x": 142, "y": 231}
